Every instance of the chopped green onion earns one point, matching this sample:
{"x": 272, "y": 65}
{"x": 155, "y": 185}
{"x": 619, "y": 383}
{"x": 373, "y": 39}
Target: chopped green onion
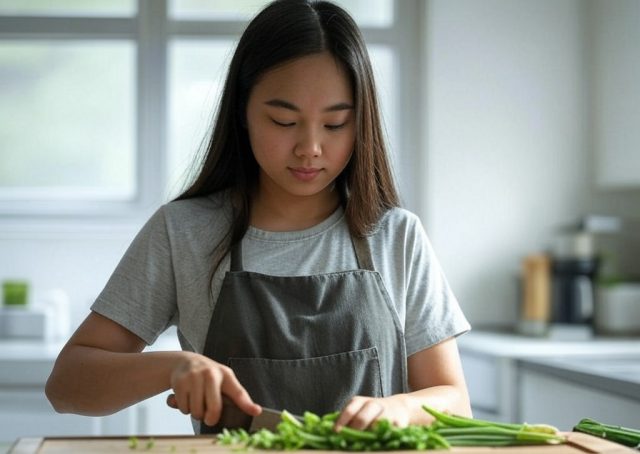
{"x": 318, "y": 432}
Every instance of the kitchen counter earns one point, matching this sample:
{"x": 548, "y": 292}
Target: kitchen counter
{"x": 36, "y": 350}
{"x": 500, "y": 368}
{"x": 29, "y": 362}
{"x": 25, "y": 411}
{"x": 615, "y": 375}
{"x": 494, "y": 365}
{"x": 507, "y": 344}
{"x": 26, "y": 363}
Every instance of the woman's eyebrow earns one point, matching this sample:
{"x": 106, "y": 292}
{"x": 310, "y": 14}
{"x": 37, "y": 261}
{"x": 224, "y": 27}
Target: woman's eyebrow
{"x": 287, "y": 105}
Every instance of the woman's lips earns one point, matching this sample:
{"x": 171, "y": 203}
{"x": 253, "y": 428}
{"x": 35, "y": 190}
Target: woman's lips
{"x": 304, "y": 173}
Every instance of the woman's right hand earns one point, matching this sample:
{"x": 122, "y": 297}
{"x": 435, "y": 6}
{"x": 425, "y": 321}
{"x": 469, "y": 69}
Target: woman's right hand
{"x": 199, "y": 383}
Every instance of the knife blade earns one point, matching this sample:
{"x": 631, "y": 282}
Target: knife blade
{"x": 233, "y": 417}
{"x": 268, "y": 419}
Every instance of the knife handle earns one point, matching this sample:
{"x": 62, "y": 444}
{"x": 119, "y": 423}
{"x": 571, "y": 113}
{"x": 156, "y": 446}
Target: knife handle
{"x": 171, "y": 401}
{"x": 231, "y": 416}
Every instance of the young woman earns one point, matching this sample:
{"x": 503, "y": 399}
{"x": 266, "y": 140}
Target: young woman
{"x": 295, "y": 279}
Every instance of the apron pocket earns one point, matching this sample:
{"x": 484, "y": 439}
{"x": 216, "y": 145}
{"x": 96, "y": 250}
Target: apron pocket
{"x": 320, "y": 384}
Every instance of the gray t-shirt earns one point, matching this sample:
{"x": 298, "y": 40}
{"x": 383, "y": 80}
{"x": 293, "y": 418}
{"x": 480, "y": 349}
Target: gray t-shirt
{"x": 164, "y": 277}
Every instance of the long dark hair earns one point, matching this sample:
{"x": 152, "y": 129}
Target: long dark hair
{"x": 283, "y": 31}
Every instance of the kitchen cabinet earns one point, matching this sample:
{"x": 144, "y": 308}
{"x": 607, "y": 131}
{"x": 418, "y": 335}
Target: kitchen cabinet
{"x": 550, "y": 392}
{"x": 491, "y": 381}
{"x": 27, "y": 413}
{"x": 25, "y": 410}
{"x": 615, "y": 34}
{"x": 494, "y": 363}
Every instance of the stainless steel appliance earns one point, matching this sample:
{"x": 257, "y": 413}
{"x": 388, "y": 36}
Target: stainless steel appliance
{"x": 574, "y": 270}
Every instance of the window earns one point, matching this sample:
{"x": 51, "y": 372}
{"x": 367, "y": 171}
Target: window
{"x": 68, "y": 8}
{"x": 67, "y": 119}
{"x": 106, "y": 102}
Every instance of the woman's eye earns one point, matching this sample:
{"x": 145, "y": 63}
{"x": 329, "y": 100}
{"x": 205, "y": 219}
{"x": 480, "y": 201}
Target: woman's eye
{"x": 335, "y": 127}
{"x": 283, "y": 124}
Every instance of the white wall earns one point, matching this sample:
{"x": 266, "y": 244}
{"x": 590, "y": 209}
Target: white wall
{"x": 507, "y": 160}
{"x": 614, "y": 64}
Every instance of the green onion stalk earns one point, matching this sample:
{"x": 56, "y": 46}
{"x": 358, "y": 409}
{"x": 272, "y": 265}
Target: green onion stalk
{"x": 318, "y": 432}
{"x": 618, "y": 434}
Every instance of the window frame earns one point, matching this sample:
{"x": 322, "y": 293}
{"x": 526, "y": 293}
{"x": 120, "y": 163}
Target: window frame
{"x": 151, "y": 30}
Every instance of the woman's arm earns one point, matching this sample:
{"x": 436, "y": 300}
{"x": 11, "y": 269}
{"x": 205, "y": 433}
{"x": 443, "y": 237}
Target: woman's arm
{"x": 435, "y": 378}
{"x": 101, "y": 370}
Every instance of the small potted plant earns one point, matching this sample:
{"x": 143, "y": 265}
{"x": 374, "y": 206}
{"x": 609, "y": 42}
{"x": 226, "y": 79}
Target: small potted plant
{"x": 15, "y": 293}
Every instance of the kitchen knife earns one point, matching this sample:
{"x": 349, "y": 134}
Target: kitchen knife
{"x": 234, "y": 418}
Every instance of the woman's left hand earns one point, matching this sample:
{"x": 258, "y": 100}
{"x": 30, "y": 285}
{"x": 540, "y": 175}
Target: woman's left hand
{"x": 363, "y": 411}
{"x": 435, "y": 375}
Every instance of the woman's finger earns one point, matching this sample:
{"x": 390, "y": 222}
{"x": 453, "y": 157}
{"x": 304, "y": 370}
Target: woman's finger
{"x": 368, "y": 413}
{"x": 182, "y": 399}
{"x": 171, "y": 401}
{"x": 212, "y": 401}
{"x": 196, "y": 398}
{"x": 349, "y": 412}
{"x": 234, "y": 390}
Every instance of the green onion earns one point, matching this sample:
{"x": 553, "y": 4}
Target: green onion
{"x": 133, "y": 442}
{"x": 618, "y": 434}
{"x": 318, "y": 432}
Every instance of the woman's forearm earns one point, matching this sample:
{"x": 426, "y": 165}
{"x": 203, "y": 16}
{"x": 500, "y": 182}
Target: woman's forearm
{"x": 443, "y": 398}
{"x": 95, "y": 382}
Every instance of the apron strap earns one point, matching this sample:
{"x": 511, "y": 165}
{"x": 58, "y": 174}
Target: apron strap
{"x": 363, "y": 253}
{"x": 236, "y": 257}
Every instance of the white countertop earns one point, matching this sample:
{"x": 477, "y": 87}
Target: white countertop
{"x": 490, "y": 342}
{"x": 609, "y": 364}
{"x": 517, "y": 346}
{"x": 612, "y": 374}
{"x": 36, "y": 350}
{"x": 27, "y": 350}
{"x": 29, "y": 362}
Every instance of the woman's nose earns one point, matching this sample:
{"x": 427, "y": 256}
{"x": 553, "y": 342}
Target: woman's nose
{"x": 308, "y": 145}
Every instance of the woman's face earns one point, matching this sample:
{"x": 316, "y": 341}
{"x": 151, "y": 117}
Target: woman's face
{"x": 301, "y": 123}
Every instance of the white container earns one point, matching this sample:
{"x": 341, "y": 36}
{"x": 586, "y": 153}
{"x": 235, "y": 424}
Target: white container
{"x": 27, "y": 323}
{"x": 617, "y": 310}
{"x": 58, "y": 301}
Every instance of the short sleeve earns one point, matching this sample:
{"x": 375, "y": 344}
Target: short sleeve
{"x": 432, "y": 310}
{"x": 140, "y": 295}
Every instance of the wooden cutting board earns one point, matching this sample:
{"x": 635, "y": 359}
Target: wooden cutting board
{"x": 578, "y": 444}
